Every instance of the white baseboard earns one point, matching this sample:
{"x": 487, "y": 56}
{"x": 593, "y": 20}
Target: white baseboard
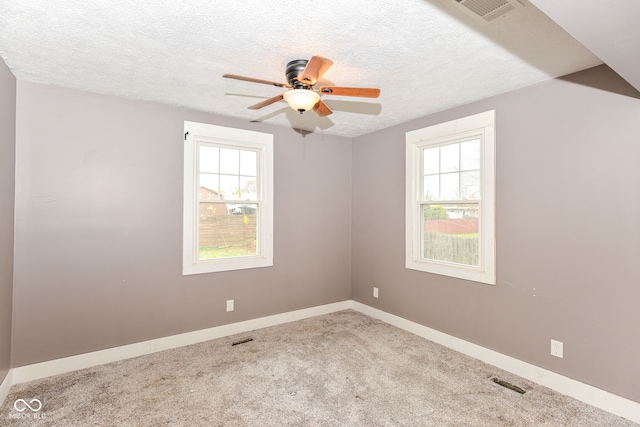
{"x": 588, "y": 394}
{"x": 95, "y": 358}
{"x": 591, "y": 395}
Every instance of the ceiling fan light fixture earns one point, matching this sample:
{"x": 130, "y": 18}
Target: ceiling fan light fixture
{"x": 302, "y": 76}
{"x": 301, "y": 99}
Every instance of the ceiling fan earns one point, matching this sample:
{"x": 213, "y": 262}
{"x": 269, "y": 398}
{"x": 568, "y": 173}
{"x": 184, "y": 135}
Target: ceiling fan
{"x": 302, "y": 96}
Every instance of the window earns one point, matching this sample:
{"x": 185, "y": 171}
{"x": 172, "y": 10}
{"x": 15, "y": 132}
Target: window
{"x": 228, "y": 199}
{"x": 450, "y": 198}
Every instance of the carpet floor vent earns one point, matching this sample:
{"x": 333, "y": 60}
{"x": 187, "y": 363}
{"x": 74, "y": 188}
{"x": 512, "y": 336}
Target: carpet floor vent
{"x": 242, "y": 341}
{"x": 508, "y": 385}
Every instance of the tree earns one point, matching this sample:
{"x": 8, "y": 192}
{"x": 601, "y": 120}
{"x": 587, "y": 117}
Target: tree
{"x": 435, "y": 212}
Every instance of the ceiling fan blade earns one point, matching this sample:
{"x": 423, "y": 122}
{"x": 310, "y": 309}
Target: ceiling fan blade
{"x": 266, "y": 102}
{"x": 315, "y": 68}
{"x": 321, "y": 108}
{"x": 251, "y": 79}
{"x": 364, "y": 92}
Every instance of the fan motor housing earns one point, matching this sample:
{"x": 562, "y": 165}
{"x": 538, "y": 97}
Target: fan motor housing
{"x": 293, "y": 70}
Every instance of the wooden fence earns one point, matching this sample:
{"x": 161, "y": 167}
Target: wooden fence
{"x": 452, "y": 226}
{"x": 223, "y": 231}
{"x": 444, "y": 247}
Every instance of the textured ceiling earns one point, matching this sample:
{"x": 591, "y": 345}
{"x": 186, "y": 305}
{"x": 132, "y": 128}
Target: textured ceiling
{"x": 424, "y": 55}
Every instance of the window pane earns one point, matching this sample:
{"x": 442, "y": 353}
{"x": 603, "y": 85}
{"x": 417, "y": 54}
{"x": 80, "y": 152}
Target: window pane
{"x": 248, "y": 188}
{"x": 470, "y": 155}
{"x": 431, "y": 159}
{"x": 230, "y": 186}
{"x": 450, "y": 186}
{"x": 209, "y": 159}
{"x": 209, "y": 187}
{"x": 229, "y": 161}
{"x": 450, "y": 233}
{"x": 450, "y": 158}
{"x": 248, "y": 163}
{"x": 223, "y": 234}
{"x": 470, "y": 185}
{"x": 209, "y": 210}
{"x": 431, "y": 190}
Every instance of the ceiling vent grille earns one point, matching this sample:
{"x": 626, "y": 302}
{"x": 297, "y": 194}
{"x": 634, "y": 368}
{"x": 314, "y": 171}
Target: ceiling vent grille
{"x": 488, "y": 10}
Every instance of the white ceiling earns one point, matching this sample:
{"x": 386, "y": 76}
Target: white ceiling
{"x": 424, "y": 55}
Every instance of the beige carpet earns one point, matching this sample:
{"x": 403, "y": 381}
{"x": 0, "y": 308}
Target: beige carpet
{"x": 342, "y": 369}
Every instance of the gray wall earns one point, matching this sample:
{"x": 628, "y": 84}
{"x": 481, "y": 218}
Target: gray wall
{"x": 568, "y": 232}
{"x": 98, "y": 229}
{"x": 99, "y": 226}
{"x": 7, "y": 196}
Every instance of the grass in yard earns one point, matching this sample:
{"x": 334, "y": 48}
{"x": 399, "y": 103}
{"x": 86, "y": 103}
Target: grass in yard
{"x": 224, "y": 252}
{"x": 466, "y": 235}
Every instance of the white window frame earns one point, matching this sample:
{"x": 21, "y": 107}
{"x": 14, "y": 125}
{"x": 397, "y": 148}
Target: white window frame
{"x": 480, "y": 125}
{"x": 196, "y": 133}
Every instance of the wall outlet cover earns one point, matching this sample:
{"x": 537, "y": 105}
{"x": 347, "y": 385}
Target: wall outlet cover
{"x": 557, "y": 349}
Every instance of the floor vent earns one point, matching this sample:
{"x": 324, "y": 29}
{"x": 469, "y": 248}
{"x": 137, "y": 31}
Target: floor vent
{"x": 243, "y": 341}
{"x": 508, "y": 385}
{"x": 488, "y": 10}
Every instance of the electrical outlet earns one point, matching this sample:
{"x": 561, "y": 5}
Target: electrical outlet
{"x": 229, "y": 305}
{"x": 375, "y": 292}
{"x": 556, "y": 348}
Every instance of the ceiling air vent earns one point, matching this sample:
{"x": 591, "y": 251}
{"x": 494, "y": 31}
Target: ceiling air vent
{"x": 488, "y": 10}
